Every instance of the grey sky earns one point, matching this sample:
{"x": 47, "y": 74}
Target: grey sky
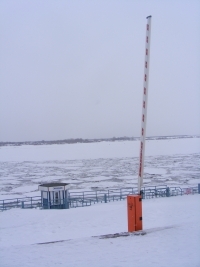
{"x": 73, "y": 69}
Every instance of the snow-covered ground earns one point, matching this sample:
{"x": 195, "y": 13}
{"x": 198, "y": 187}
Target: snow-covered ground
{"x": 73, "y": 237}
{"x": 98, "y": 165}
{"x": 44, "y": 238}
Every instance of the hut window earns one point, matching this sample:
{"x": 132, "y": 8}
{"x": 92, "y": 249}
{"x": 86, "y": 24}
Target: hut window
{"x": 44, "y": 194}
{"x": 56, "y": 197}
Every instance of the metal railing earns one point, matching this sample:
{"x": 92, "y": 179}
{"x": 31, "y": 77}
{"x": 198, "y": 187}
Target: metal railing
{"x": 87, "y": 198}
{"x": 24, "y": 202}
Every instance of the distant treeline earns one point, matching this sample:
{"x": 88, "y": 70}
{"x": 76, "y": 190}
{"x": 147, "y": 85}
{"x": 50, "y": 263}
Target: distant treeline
{"x": 80, "y": 140}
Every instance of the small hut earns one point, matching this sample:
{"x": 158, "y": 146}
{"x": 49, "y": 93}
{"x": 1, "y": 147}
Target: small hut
{"x": 54, "y": 195}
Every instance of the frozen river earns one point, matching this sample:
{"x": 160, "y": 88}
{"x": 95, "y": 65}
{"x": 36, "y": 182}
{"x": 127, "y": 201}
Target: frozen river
{"x": 98, "y": 165}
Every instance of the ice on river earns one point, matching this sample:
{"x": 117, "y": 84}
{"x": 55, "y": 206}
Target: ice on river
{"x": 98, "y": 165}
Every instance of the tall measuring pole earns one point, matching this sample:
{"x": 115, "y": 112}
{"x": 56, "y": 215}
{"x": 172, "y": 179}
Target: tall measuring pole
{"x": 144, "y": 103}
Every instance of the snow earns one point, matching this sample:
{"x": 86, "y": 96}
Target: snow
{"x": 98, "y": 165}
{"x": 155, "y": 171}
{"x": 171, "y": 224}
{"x": 25, "y": 189}
{"x": 99, "y": 150}
{"x": 172, "y": 239}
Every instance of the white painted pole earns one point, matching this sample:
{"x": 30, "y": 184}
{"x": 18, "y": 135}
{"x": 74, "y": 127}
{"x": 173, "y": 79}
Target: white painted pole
{"x": 144, "y": 104}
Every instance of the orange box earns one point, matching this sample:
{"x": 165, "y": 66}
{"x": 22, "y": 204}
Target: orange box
{"x": 131, "y": 213}
{"x": 134, "y": 206}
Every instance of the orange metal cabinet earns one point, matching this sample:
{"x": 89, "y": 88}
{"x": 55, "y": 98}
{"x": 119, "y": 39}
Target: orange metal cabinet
{"x": 134, "y": 206}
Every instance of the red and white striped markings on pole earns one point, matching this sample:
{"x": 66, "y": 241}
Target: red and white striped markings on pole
{"x": 144, "y": 104}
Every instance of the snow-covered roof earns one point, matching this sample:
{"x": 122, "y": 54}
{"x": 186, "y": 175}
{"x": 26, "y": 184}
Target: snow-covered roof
{"x": 53, "y": 187}
{"x": 53, "y": 184}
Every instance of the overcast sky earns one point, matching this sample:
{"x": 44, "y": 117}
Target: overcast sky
{"x": 74, "y": 69}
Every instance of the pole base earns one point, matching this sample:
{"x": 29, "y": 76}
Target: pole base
{"x": 134, "y": 207}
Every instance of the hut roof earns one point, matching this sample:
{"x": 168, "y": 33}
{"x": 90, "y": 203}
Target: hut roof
{"x": 54, "y": 184}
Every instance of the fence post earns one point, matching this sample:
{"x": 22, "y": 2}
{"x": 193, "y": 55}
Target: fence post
{"x": 167, "y": 192}
{"x": 22, "y": 204}
{"x": 142, "y": 194}
{"x": 105, "y": 198}
{"x": 120, "y": 194}
{"x": 48, "y": 204}
{"x": 96, "y": 197}
{"x": 199, "y": 188}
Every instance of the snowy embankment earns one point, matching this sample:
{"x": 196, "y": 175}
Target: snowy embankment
{"x": 42, "y": 238}
{"x": 67, "y": 236}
